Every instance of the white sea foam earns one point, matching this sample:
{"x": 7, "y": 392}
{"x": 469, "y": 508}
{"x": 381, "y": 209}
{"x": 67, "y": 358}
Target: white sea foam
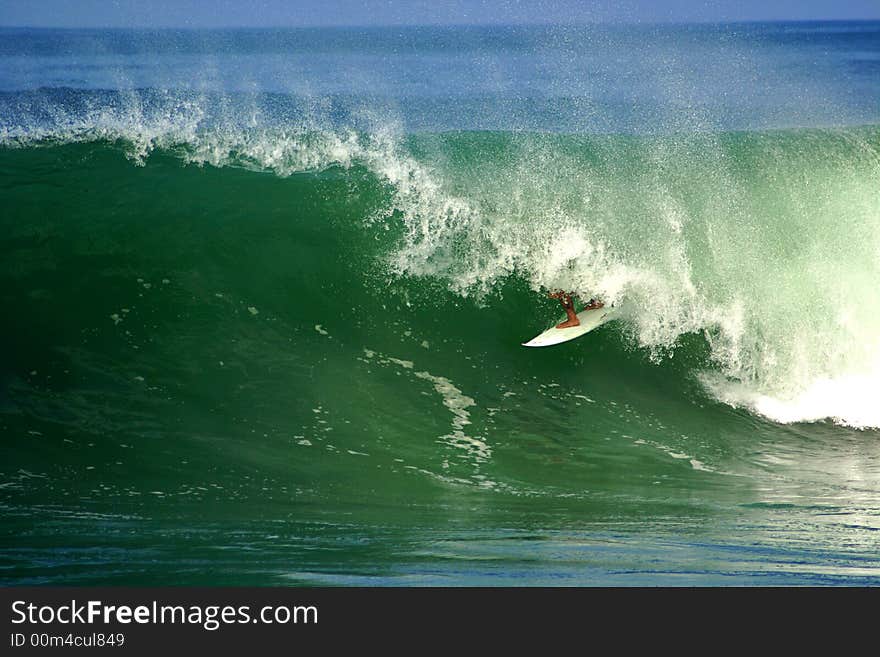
{"x": 852, "y": 400}
{"x": 454, "y": 400}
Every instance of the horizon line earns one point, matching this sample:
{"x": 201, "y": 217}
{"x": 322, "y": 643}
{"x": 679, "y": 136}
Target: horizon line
{"x": 449, "y": 25}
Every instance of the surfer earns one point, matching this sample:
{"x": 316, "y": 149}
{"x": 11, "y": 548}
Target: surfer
{"x": 568, "y": 305}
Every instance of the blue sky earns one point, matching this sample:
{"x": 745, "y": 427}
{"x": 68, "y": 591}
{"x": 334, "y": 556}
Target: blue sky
{"x": 266, "y": 13}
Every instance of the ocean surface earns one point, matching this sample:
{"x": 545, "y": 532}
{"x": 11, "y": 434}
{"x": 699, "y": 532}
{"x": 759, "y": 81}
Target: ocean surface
{"x": 264, "y": 291}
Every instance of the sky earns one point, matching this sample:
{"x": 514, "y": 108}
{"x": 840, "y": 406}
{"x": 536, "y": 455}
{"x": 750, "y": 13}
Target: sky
{"x": 277, "y": 13}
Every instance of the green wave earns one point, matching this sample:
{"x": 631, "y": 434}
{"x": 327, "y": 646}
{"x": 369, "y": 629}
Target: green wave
{"x": 745, "y": 262}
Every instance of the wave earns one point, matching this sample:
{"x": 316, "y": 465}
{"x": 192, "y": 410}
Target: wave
{"x": 766, "y": 243}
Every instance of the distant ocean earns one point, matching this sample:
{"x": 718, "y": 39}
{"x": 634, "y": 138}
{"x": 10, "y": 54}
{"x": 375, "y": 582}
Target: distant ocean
{"x": 264, "y": 292}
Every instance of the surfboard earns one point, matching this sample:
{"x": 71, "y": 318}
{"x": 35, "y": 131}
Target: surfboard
{"x": 590, "y": 319}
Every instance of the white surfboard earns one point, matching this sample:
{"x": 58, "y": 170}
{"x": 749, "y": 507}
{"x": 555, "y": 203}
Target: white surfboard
{"x": 590, "y": 319}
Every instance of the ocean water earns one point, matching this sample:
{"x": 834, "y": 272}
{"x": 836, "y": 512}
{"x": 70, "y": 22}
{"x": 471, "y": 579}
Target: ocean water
{"x": 264, "y": 292}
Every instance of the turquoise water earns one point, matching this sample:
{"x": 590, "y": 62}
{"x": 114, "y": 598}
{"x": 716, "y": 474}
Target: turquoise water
{"x": 265, "y": 294}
